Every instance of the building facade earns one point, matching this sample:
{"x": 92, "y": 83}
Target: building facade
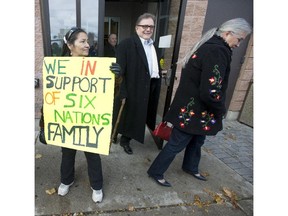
{"x": 184, "y": 20}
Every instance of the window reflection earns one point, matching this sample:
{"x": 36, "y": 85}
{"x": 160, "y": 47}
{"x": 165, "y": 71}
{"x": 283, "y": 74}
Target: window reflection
{"x": 111, "y": 25}
{"x": 89, "y": 22}
{"x": 62, "y": 18}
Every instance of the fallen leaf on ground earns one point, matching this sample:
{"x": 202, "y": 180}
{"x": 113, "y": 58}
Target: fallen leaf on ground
{"x": 199, "y": 203}
{"x": 217, "y": 197}
{"x": 50, "y": 191}
{"x": 131, "y": 207}
{"x": 231, "y": 195}
{"x": 205, "y": 174}
{"x": 38, "y": 156}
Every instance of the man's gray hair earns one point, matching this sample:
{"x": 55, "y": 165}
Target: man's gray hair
{"x": 145, "y": 16}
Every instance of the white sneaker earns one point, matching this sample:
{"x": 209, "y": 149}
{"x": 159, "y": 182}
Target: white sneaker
{"x": 97, "y": 195}
{"x": 64, "y": 189}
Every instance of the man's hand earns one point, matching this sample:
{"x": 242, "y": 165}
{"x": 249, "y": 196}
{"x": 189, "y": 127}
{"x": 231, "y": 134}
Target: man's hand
{"x": 115, "y": 68}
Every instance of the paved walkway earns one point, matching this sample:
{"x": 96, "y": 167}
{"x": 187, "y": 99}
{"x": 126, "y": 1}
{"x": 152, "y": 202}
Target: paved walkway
{"x": 234, "y": 146}
{"x": 227, "y": 160}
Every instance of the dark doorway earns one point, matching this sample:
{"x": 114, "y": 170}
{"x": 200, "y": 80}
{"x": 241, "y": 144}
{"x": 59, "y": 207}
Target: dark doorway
{"x": 167, "y": 29}
{"x": 219, "y": 11}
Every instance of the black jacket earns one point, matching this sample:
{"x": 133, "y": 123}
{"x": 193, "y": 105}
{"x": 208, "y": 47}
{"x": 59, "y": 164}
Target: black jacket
{"x": 109, "y": 50}
{"x": 199, "y": 103}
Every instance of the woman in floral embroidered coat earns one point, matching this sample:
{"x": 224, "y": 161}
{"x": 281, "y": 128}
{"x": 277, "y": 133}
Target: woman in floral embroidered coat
{"x": 199, "y": 103}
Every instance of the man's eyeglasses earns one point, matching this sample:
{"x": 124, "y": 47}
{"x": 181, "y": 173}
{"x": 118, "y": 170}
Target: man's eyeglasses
{"x": 145, "y": 27}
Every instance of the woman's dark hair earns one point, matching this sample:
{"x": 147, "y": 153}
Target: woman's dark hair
{"x": 69, "y": 38}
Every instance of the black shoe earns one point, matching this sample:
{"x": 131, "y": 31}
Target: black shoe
{"x": 127, "y": 148}
{"x": 165, "y": 183}
{"x": 195, "y": 175}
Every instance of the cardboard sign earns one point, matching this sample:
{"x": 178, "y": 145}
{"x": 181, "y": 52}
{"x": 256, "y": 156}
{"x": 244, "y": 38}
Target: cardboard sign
{"x": 78, "y": 95}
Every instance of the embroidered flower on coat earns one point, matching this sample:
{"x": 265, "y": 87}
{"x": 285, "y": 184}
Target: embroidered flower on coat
{"x": 186, "y": 113}
{"x": 215, "y": 81}
{"x": 207, "y": 118}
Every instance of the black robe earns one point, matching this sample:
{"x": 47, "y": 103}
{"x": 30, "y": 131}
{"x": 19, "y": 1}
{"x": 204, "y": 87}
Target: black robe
{"x": 141, "y": 92}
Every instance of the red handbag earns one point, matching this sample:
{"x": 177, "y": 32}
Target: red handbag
{"x": 163, "y": 131}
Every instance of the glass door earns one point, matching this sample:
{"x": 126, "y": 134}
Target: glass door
{"x": 171, "y": 18}
{"x": 62, "y": 18}
{"x": 90, "y": 20}
{"x": 61, "y": 15}
{"x": 111, "y": 26}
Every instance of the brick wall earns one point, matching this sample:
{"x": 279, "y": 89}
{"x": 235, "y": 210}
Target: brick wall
{"x": 39, "y": 54}
{"x": 192, "y": 30}
{"x": 243, "y": 82}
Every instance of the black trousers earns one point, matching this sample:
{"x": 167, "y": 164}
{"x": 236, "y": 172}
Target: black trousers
{"x": 94, "y": 168}
{"x": 155, "y": 88}
{"x": 178, "y": 141}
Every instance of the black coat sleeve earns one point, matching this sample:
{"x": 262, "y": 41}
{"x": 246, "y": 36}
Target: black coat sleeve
{"x": 121, "y": 59}
{"x": 214, "y": 69}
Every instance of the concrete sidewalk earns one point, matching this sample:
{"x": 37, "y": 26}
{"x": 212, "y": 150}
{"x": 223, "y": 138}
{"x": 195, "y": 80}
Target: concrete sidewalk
{"x": 129, "y": 191}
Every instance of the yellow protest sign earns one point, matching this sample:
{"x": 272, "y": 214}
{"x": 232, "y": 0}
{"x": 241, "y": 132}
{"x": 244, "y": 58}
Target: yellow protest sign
{"x": 78, "y": 97}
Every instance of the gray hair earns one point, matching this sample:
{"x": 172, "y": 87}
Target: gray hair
{"x": 237, "y": 25}
{"x": 145, "y": 16}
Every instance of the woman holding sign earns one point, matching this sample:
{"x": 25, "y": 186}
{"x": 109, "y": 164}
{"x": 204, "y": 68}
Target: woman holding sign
{"x": 76, "y": 44}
